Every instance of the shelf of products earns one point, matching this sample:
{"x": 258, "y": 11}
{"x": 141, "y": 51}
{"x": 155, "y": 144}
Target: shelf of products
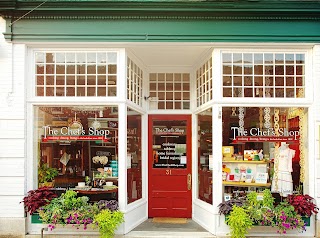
{"x": 245, "y": 173}
{"x": 245, "y": 162}
{"x": 244, "y": 184}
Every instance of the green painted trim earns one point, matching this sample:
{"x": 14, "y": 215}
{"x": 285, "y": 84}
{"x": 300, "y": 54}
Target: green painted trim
{"x": 161, "y": 21}
{"x": 196, "y": 18}
{"x": 140, "y": 30}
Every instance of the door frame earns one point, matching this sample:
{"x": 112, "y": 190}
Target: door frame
{"x": 189, "y": 170}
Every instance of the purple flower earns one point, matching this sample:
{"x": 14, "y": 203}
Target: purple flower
{"x": 286, "y": 225}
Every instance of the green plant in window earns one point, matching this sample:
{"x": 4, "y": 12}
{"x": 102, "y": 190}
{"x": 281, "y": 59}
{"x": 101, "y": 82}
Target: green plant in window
{"x": 46, "y": 174}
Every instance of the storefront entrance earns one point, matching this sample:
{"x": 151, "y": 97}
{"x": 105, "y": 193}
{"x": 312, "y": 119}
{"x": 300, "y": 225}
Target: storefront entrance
{"x": 170, "y": 166}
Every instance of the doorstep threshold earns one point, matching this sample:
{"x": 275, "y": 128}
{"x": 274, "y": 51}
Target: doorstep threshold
{"x": 168, "y": 234}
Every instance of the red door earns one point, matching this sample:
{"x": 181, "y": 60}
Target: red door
{"x": 170, "y": 166}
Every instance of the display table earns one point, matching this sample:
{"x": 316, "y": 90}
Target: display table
{"x": 97, "y": 194}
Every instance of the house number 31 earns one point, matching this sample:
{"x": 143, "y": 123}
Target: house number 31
{"x": 168, "y": 171}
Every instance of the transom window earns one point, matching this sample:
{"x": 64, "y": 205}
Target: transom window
{"x": 275, "y": 75}
{"x": 169, "y": 91}
{"x": 204, "y": 83}
{"x": 134, "y": 84}
{"x": 76, "y": 74}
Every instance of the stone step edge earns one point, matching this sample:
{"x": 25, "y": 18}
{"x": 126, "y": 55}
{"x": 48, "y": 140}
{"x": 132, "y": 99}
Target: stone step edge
{"x": 168, "y": 234}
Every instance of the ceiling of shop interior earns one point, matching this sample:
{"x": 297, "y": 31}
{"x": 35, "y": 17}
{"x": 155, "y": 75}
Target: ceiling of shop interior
{"x": 170, "y": 56}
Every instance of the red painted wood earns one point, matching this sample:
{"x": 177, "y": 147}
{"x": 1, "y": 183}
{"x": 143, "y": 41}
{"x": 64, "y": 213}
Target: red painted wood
{"x": 168, "y": 193}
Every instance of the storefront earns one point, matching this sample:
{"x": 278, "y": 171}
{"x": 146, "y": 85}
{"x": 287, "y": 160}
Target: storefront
{"x": 176, "y": 112}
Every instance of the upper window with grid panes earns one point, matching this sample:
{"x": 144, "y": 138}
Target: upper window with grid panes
{"x": 169, "y": 91}
{"x": 134, "y": 82}
{"x": 76, "y": 74}
{"x": 272, "y": 75}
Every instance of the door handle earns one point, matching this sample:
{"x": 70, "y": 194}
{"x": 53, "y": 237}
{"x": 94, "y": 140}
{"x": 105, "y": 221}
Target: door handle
{"x": 189, "y": 179}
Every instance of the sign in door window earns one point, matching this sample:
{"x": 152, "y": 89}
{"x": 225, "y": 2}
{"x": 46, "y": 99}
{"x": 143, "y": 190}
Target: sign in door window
{"x": 169, "y": 144}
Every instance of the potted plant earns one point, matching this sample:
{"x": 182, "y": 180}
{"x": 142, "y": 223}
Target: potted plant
{"x": 36, "y": 199}
{"x": 303, "y": 205}
{"x": 46, "y": 175}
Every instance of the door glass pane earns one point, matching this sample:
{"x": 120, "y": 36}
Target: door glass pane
{"x": 169, "y": 144}
{"x": 204, "y": 152}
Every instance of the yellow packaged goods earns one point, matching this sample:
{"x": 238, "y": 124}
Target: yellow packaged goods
{"x": 227, "y": 153}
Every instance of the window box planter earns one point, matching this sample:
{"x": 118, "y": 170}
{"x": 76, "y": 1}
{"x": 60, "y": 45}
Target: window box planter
{"x": 306, "y": 220}
{"x": 35, "y": 218}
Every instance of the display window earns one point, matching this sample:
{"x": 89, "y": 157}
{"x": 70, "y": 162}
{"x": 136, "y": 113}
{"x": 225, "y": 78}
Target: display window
{"x": 77, "y": 148}
{"x": 263, "y": 147}
{"x": 205, "y": 156}
{"x": 134, "y": 162}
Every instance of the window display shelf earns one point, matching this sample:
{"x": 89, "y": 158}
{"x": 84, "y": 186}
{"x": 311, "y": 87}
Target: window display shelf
{"x": 245, "y": 161}
{"x": 243, "y": 184}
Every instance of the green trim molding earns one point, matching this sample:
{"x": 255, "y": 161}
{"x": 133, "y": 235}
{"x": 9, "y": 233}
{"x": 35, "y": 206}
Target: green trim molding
{"x": 161, "y": 21}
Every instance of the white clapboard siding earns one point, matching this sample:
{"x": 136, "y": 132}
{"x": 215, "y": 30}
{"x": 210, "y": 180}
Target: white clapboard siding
{"x": 5, "y": 61}
{"x": 12, "y": 85}
{"x": 11, "y": 167}
{"x": 12, "y": 129}
{"x": 316, "y": 78}
{"x": 10, "y": 206}
{"x": 12, "y": 148}
{"x": 10, "y": 186}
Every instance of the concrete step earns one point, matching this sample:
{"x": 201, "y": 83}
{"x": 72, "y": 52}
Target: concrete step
{"x": 167, "y": 234}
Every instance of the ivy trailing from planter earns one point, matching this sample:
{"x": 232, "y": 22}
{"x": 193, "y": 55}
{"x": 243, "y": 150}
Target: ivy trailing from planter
{"x": 239, "y": 222}
{"x": 108, "y": 221}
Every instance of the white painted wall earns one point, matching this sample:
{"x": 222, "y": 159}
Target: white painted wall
{"x": 316, "y": 77}
{"x": 12, "y": 135}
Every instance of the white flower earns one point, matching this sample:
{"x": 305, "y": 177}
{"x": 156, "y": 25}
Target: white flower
{"x": 100, "y": 159}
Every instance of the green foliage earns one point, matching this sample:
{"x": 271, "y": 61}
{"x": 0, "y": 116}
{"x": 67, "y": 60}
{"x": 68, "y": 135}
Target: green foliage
{"x": 252, "y": 199}
{"x": 68, "y": 209}
{"x": 46, "y": 173}
{"x": 108, "y": 221}
{"x": 287, "y": 218}
{"x": 283, "y": 216}
{"x": 268, "y": 200}
{"x": 239, "y": 222}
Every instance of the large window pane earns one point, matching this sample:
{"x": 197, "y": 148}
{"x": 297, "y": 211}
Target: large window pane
{"x": 204, "y": 155}
{"x": 81, "y": 144}
{"x": 134, "y": 173}
{"x": 262, "y": 149}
